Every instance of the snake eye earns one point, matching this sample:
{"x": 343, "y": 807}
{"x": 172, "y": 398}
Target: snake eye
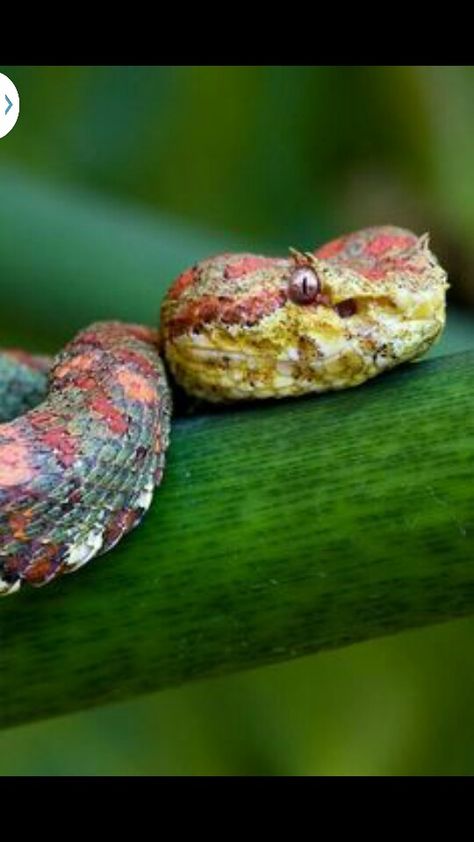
{"x": 304, "y": 286}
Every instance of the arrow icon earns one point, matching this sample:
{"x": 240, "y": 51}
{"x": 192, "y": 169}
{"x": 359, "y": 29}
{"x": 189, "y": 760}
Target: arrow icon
{"x": 9, "y": 105}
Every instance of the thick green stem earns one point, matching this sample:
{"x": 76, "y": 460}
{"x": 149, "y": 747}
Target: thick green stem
{"x": 279, "y": 530}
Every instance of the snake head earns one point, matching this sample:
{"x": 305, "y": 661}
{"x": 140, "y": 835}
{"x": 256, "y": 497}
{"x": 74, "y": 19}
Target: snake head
{"x": 241, "y": 326}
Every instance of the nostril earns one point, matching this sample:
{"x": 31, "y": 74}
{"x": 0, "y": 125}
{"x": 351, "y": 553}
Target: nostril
{"x": 346, "y": 308}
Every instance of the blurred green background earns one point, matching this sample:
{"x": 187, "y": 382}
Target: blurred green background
{"x": 186, "y": 160}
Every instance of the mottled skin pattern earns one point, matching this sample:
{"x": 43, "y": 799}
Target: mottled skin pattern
{"x": 232, "y": 331}
{"x": 78, "y": 471}
{"x": 23, "y": 382}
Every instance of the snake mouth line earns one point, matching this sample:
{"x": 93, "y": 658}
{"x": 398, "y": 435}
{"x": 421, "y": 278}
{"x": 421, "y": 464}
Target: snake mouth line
{"x": 322, "y": 348}
{"x": 203, "y": 352}
{"x": 289, "y": 364}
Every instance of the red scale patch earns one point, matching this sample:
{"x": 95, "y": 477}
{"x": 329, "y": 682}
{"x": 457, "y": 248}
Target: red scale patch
{"x": 247, "y": 310}
{"x": 246, "y": 265}
{"x": 128, "y": 356}
{"x": 62, "y": 442}
{"x": 331, "y": 249}
{"x": 52, "y": 432}
{"x": 378, "y": 254}
{"x": 181, "y": 283}
{"x": 85, "y": 383}
{"x": 110, "y": 414}
{"x": 388, "y": 242}
{"x": 15, "y": 466}
{"x": 42, "y": 419}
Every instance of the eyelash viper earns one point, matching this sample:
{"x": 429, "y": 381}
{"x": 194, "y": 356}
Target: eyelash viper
{"x": 83, "y": 447}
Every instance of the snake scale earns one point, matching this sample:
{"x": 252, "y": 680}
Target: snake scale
{"x": 83, "y": 438}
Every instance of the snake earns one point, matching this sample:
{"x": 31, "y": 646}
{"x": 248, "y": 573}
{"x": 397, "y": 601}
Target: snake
{"x": 83, "y": 437}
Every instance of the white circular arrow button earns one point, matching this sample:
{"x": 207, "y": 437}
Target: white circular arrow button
{"x": 9, "y": 105}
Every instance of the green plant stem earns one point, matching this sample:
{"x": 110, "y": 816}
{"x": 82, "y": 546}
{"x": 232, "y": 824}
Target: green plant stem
{"x": 279, "y": 530}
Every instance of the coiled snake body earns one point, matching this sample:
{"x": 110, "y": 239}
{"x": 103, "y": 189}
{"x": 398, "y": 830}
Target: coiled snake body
{"x": 78, "y": 470}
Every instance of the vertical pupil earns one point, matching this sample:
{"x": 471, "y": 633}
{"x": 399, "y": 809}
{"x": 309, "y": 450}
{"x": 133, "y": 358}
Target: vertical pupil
{"x": 304, "y": 286}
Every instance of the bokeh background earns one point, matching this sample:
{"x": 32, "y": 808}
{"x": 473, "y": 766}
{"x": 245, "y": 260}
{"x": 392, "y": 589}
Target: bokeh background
{"x": 127, "y": 167}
